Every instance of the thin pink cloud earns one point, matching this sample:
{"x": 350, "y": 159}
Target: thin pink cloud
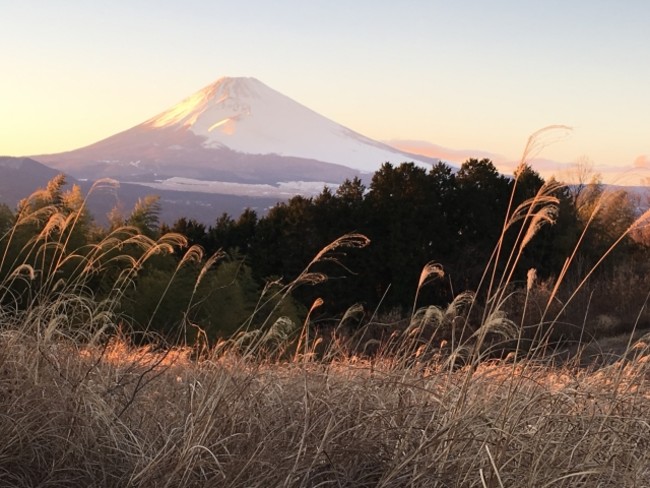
{"x": 642, "y": 161}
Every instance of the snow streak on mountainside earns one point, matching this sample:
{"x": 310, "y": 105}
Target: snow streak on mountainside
{"x": 235, "y": 130}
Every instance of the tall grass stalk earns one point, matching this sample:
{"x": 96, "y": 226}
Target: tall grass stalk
{"x": 536, "y": 142}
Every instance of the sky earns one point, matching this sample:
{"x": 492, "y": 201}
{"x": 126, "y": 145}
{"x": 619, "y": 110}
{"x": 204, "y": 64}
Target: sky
{"x": 467, "y": 75}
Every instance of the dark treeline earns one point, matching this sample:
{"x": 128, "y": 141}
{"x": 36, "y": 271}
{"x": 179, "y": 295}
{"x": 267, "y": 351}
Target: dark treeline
{"x": 412, "y": 217}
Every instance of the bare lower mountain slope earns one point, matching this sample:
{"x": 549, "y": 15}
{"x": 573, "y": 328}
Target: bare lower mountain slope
{"x": 20, "y": 177}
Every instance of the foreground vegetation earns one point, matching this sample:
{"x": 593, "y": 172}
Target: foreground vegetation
{"x": 114, "y": 415}
{"x": 501, "y": 386}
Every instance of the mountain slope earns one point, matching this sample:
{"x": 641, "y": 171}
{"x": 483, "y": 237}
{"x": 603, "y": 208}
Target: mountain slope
{"x": 20, "y": 177}
{"x": 234, "y": 130}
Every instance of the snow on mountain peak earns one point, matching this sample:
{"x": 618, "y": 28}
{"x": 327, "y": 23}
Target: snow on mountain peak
{"x": 190, "y": 109}
{"x": 247, "y": 116}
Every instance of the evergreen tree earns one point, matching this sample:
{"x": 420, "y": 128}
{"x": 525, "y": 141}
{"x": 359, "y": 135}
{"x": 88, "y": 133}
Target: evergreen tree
{"x": 220, "y": 236}
{"x": 405, "y": 226}
{"x": 244, "y": 230}
{"x": 481, "y": 203}
{"x": 192, "y": 229}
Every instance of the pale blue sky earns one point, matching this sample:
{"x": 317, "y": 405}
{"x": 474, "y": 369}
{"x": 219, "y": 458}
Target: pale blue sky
{"x": 462, "y": 74}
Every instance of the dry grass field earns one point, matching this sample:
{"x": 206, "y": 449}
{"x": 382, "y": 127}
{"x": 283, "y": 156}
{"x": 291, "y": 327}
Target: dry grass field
{"x": 117, "y": 415}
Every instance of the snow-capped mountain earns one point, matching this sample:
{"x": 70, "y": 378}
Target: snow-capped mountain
{"x": 235, "y": 136}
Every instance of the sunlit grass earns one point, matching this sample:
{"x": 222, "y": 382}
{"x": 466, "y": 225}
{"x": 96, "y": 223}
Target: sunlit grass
{"x": 121, "y": 415}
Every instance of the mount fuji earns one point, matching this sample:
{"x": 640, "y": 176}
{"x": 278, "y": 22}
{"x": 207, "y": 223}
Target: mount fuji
{"x": 236, "y": 136}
